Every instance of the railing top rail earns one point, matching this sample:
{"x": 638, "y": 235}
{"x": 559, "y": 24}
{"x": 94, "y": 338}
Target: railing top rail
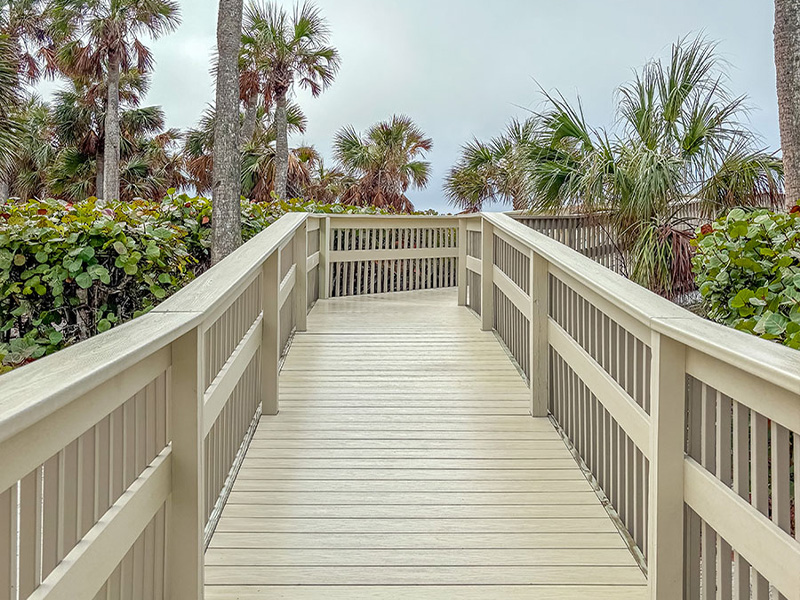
{"x": 525, "y": 215}
{"x": 32, "y": 392}
{"x": 764, "y": 359}
{"x": 410, "y": 218}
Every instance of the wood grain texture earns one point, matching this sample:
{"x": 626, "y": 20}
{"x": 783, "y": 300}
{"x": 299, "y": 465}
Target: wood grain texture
{"x": 405, "y": 464}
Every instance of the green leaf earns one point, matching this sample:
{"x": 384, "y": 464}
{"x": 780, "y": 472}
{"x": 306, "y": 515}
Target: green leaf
{"x": 158, "y": 291}
{"x": 120, "y": 248}
{"x": 86, "y": 254}
{"x": 103, "y": 325}
{"x": 84, "y": 280}
{"x": 56, "y": 337}
{"x": 19, "y": 260}
{"x": 42, "y": 256}
{"x": 152, "y": 251}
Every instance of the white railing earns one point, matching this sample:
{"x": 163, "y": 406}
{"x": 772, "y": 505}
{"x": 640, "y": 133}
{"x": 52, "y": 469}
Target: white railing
{"x": 117, "y": 453}
{"x": 587, "y": 234}
{"x": 373, "y": 255}
{"x": 691, "y": 429}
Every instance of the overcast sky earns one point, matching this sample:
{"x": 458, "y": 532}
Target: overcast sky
{"x": 464, "y": 68}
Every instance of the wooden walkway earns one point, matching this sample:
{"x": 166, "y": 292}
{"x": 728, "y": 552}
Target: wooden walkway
{"x": 404, "y": 464}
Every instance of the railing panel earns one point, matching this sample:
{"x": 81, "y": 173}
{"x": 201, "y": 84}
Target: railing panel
{"x": 392, "y": 255}
{"x": 753, "y": 456}
{"x": 473, "y": 284}
{"x": 583, "y": 233}
{"x": 53, "y": 507}
{"x": 619, "y": 352}
{"x": 513, "y": 327}
{"x": 224, "y": 335}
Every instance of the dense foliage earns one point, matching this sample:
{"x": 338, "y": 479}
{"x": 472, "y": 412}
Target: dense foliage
{"x": 69, "y": 271}
{"x": 748, "y": 270}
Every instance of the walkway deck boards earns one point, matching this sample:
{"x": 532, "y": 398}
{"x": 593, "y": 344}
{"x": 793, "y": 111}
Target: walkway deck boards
{"x": 404, "y": 464}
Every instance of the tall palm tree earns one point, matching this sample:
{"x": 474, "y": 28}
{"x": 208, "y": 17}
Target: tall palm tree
{"x": 497, "y": 171}
{"x": 105, "y": 41}
{"x": 384, "y": 163}
{"x": 79, "y": 114}
{"x": 10, "y": 98}
{"x": 787, "y": 64}
{"x": 279, "y": 50}
{"x": 150, "y": 158}
{"x": 680, "y": 140}
{"x": 226, "y": 217}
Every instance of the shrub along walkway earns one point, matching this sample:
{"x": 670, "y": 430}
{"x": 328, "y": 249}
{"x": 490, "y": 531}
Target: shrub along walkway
{"x": 404, "y": 464}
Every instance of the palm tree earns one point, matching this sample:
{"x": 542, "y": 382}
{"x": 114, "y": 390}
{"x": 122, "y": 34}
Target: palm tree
{"x": 680, "y": 140}
{"x": 279, "y": 50}
{"x": 497, "y": 171}
{"x": 150, "y": 158}
{"x": 327, "y": 186}
{"x": 79, "y": 113}
{"x": 10, "y": 98}
{"x": 787, "y": 64}
{"x": 226, "y": 217}
{"x": 257, "y": 172}
{"x": 28, "y": 177}
{"x": 384, "y": 163}
{"x": 104, "y": 41}
{"x": 28, "y": 25}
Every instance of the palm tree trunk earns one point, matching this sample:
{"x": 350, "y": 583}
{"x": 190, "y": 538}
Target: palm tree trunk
{"x": 227, "y": 185}
{"x": 787, "y": 65}
{"x": 100, "y": 175}
{"x": 112, "y": 134}
{"x": 281, "y": 145}
{"x": 5, "y": 191}
{"x": 250, "y": 120}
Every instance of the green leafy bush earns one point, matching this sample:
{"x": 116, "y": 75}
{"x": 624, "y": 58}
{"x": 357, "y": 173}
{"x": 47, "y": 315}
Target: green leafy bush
{"x": 748, "y": 271}
{"x": 69, "y": 271}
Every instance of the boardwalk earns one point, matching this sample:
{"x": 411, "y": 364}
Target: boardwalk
{"x": 404, "y": 464}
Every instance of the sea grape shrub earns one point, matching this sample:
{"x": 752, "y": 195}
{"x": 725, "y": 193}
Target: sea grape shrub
{"x": 69, "y": 271}
{"x": 747, "y": 266}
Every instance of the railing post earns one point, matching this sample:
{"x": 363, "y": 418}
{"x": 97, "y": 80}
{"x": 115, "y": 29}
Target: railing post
{"x": 487, "y": 275}
{"x": 324, "y": 258}
{"x": 667, "y": 432}
{"x": 301, "y": 278}
{"x": 539, "y": 340}
{"x": 186, "y": 505}
{"x": 270, "y": 333}
{"x": 462, "y": 262}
